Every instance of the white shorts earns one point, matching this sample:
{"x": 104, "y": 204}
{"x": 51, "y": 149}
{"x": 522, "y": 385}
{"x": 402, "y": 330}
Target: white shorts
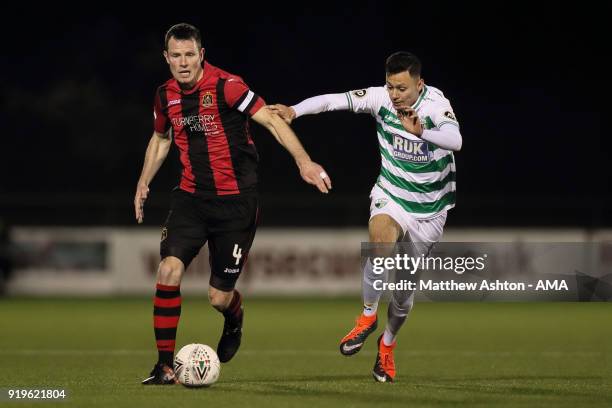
{"x": 426, "y": 231}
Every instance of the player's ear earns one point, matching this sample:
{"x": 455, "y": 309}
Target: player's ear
{"x": 166, "y": 56}
{"x": 202, "y": 54}
{"x": 420, "y": 84}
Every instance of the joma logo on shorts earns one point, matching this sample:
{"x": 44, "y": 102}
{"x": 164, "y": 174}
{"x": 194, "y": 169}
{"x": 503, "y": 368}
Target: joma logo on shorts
{"x": 410, "y": 150}
{"x": 231, "y": 270}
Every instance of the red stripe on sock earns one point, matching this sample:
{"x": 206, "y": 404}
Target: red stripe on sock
{"x": 166, "y": 345}
{"x": 165, "y": 322}
{"x": 161, "y": 302}
{"x": 167, "y": 288}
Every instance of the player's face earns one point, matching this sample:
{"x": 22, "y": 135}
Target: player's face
{"x": 185, "y": 60}
{"x": 403, "y": 89}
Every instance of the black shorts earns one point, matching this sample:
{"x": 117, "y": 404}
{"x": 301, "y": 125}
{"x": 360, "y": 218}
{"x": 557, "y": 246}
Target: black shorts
{"x": 227, "y": 223}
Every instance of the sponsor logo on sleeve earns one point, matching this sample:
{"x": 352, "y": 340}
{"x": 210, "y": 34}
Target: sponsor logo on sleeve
{"x": 450, "y": 115}
{"x": 360, "y": 93}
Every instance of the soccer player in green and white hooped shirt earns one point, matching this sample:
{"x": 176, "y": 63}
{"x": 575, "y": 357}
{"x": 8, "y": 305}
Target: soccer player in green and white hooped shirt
{"x": 417, "y": 132}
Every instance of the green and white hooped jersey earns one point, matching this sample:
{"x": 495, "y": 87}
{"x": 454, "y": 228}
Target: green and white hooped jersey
{"x": 417, "y": 174}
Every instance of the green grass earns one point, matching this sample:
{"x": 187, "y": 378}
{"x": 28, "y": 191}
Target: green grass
{"x": 448, "y": 354}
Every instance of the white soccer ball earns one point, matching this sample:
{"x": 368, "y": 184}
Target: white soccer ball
{"x": 197, "y": 365}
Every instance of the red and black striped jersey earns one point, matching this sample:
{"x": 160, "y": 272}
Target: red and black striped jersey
{"x": 210, "y": 126}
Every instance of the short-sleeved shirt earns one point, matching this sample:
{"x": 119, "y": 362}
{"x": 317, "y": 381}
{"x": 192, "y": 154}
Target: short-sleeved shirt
{"x": 210, "y": 127}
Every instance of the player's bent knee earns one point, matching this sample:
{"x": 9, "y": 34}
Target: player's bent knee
{"x": 170, "y": 271}
{"x": 384, "y": 229}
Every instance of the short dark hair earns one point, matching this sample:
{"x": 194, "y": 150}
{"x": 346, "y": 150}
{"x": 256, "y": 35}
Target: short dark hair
{"x": 183, "y": 31}
{"x": 403, "y": 61}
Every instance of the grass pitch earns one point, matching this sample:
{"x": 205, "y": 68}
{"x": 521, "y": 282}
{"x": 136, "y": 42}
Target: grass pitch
{"x": 448, "y": 354}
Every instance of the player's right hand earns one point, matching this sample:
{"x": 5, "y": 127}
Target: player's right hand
{"x": 285, "y": 112}
{"x": 142, "y": 192}
{"x": 410, "y": 121}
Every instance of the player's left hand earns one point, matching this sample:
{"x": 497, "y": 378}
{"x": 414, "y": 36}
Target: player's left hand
{"x": 410, "y": 121}
{"x": 287, "y": 113}
{"x": 315, "y": 174}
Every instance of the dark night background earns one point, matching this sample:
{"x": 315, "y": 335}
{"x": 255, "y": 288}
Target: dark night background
{"x": 77, "y": 96}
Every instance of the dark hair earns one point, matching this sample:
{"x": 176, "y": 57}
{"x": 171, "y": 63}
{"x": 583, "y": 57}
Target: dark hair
{"x": 183, "y": 31}
{"x": 403, "y": 61}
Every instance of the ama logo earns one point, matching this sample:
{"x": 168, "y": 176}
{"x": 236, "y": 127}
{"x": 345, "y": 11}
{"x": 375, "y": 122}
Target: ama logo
{"x": 414, "y": 151}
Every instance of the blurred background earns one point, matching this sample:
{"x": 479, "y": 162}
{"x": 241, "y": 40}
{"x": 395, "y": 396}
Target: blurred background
{"x": 76, "y": 101}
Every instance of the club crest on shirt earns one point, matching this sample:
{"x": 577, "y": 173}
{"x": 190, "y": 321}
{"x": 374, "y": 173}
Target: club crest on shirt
{"x": 207, "y": 100}
{"x": 360, "y": 93}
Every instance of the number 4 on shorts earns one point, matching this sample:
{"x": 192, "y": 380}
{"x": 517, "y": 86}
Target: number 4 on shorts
{"x": 237, "y": 253}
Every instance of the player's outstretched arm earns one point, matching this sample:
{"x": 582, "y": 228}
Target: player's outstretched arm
{"x": 158, "y": 148}
{"x": 310, "y": 171}
{"x": 311, "y": 106}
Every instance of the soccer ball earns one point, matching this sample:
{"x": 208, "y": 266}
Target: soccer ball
{"x": 197, "y": 365}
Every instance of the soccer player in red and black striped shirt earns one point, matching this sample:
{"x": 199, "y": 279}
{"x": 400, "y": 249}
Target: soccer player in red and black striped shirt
{"x": 206, "y": 111}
